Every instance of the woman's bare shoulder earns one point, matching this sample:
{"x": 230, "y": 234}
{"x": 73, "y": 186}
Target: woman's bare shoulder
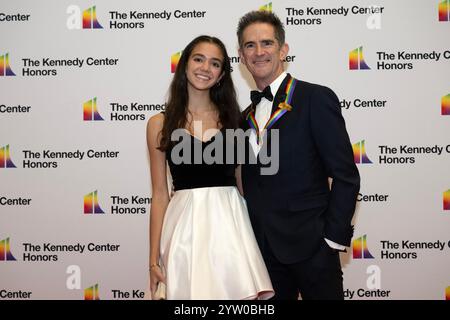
{"x": 156, "y": 122}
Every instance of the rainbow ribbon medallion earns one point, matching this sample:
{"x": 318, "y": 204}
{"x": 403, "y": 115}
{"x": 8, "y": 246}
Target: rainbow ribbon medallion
{"x": 283, "y": 107}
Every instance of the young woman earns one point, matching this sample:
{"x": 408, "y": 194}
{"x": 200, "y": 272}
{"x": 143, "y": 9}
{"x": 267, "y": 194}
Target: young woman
{"x": 202, "y": 245}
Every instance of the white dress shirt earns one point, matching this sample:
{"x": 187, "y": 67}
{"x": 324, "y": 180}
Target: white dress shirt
{"x": 262, "y": 115}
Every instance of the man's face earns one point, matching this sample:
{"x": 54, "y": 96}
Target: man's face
{"x": 261, "y": 53}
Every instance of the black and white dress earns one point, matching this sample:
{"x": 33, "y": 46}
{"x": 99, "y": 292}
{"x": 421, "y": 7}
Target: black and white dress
{"x": 208, "y": 248}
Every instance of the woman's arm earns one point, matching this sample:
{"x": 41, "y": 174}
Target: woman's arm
{"x": 160, "y": 196}
{"x": 237, "y": 174}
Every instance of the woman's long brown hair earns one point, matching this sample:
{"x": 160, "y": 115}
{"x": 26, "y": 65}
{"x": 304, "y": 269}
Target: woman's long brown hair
{"x": 223, "y": 94}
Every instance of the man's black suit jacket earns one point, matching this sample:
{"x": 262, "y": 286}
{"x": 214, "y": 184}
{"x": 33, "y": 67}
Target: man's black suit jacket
{"x": 296, "y": 208}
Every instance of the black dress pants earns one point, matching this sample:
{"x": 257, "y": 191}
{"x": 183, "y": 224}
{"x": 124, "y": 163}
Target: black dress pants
{"x": 316, "y": 278}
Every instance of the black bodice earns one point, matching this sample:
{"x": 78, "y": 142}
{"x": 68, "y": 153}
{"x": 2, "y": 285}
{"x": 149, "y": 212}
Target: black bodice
{"x": 198, "y": 164}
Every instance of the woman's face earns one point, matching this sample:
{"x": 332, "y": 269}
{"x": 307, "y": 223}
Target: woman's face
{"x": 204, "y": 67}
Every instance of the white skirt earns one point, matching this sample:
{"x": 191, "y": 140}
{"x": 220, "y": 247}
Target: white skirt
{"x": 208, "y": 248}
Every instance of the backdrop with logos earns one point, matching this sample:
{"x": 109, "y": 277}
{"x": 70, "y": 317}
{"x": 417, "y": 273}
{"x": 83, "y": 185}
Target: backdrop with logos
{"x": 80, "y": 79}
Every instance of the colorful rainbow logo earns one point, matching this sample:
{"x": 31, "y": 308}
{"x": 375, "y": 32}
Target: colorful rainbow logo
{"x": 360, "y": 250}
{"x": 356, "y": 60}
{"x": 445, "y": 105}
{"x": 5, "y": 251}
{"x": 359, "y": 153}
{"x": 90, "y": 19}
{"x": 446, "y": 200}
{"x": 91, "y": 293}
{"x": 5, "y": 158}
{"x": 267, "y": 7}
{"x": 90, "y": 112}
{"x": 5, "y": 69}
{"x": 444, "y": 10}
{"x": 174, "y": 61}
{"x": 91, "y": 203}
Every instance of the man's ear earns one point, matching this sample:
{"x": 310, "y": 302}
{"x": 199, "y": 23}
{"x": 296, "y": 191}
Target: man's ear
{"x": 284, "y": 50}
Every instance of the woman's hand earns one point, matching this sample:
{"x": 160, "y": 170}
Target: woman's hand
{"x": 156, "y": 276}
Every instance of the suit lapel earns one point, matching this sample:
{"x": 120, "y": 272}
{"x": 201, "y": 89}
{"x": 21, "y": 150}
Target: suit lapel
{"x": 281, "y": 106}
{"x": 280, "y": 96}
{"x": 283, "y": 97}
{"x": 245, "y": 116}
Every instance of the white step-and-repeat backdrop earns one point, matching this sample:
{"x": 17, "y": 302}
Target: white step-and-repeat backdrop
{"x": 80, "y": 79}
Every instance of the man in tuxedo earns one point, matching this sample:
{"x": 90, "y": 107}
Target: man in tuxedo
{"x": 300, "y": 219}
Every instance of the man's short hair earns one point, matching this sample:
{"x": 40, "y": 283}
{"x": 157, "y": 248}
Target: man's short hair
{"x": 261, "y": 16}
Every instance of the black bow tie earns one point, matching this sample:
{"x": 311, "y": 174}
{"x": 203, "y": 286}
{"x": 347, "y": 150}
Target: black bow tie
{"x": 256, "y": 96}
